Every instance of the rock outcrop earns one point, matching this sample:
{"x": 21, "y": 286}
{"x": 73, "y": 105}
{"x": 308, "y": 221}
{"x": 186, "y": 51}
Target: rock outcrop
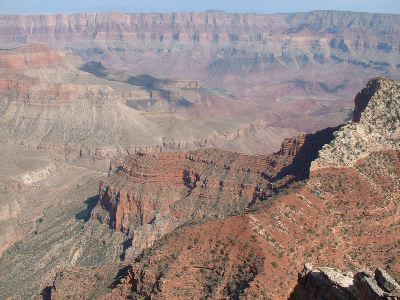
{"x": 375, "y": 126}
{"x": 149, "y": 195}
{"x": 332, "y": 284}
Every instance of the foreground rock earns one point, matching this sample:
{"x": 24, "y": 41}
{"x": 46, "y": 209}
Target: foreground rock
{"x": 374, "y": 127}
{"x": 332, "y": 284}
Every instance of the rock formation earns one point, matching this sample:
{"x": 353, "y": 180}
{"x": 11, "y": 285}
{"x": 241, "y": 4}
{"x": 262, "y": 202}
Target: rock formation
{"x": 347, "y": 35}
{"x": 190, "y": 214}
{"x": 344, "y": 217}
{"x": 149, "y": 195}
{"x": 332, "y": 284}
{"x": 30, "y": 56}
{"x": 375, "y": 127}
{"x": 305, "y": 59}
{"x": 201, "y": 223}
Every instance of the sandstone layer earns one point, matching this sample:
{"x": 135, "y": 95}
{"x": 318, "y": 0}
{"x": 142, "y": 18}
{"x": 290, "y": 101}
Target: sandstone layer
{"x": 345, "y": 35}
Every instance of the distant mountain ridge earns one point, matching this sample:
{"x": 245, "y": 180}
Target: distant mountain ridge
{"x": 318, "y": 36}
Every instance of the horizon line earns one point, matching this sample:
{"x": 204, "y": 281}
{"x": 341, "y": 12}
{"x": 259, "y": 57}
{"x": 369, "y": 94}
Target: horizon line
{"x": 209, "y": 11}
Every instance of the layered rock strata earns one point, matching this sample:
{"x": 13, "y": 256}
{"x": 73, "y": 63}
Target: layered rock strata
{"x": 347, "y": 37}
{"x": 149, "y": 195}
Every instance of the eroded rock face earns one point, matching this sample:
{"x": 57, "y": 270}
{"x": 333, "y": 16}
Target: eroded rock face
{"x": 30, "y": 56}
{"x": 363, "y": 98}
{"x": 149, "y": 195}
{"x": 90, "y": 112}
{"x": 347, "y": 35}
{"x": 345, "y": 217}
{"x": 332, "y": 284}
{"x": 375, "y": 127}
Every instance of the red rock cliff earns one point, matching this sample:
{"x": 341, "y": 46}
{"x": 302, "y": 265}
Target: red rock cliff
{"x": 148, "y": 195}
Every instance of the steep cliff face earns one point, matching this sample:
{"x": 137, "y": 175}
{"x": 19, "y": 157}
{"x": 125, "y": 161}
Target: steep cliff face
{"x": 345, "y": 217}
{"x": 30, "y": 56}
{"x": 149, "y": 195}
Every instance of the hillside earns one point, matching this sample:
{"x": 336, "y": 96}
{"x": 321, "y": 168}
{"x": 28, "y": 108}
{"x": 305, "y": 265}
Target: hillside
{"x": 344, "y": 217}
{"x": 50, "y": 99}
{"x": 218, "y": 224}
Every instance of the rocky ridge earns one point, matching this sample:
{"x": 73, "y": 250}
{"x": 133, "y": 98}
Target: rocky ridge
{"x": 374, "y": 126}
{"x": 343, "y": 218}
{"x": 149, "y": 195}
{"x": 256, "y": 254}
{"x": 199, "y": 241}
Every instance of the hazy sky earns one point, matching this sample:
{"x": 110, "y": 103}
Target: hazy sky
{"x": 265, "y": 6}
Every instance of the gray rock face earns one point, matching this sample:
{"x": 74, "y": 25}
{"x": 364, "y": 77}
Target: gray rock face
{"x": 362, "y": 99}
{"x": 331, "y": 284}
{"x": 386, "y": 281}
{"x": 375, "y": 126}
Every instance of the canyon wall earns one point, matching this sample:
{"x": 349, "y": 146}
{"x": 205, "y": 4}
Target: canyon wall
{"x": 218, "y": 44}
{"x": 49, "y": 100}
{"x": 149, "y": 195}
{"x": 344, "y": 33}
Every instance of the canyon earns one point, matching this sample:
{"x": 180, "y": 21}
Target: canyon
{"x": 344, "y": 216}
{"x": 199, "y": 155}
{"x": 183, "y": 78}
{"x": 148, "y": 196}
{"x": 216, "y": 224}
{"x": 53, "y": 101}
